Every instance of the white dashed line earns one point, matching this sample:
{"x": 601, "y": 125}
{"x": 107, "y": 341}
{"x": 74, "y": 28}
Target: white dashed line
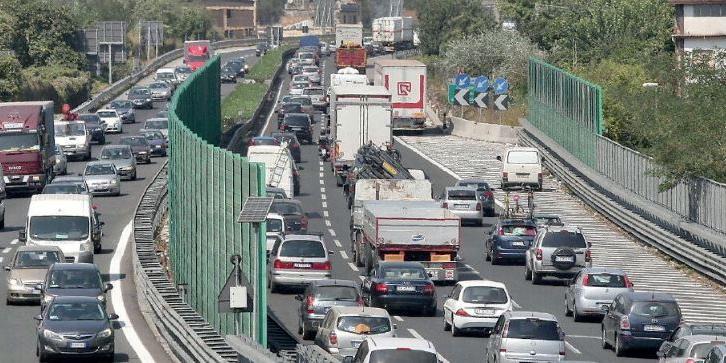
{"x": 322, "y": 168}
{"x": 325, "y": 204}
{"x": 471, "y": 268}
{"x": 322, "y": 189}
{"x": 353, "y": 267}
{"x": 322, "y": 182}
{"x": 6, "y": 250}
{"x": 415, "y": 334}
{"x": 321, "y": 163}
{"x": 327, "y": 223}
{"x": 321, "y": 174}
{"x": 14, "y": 242}
{"x": 398, "y": 318}
{"x": 1, "y": 259}
{"x": 323, "y": 197}
{"x": 345, "y": 255}
{"x": 572, "y": 348}
{"x": 337, "y": 243}
{"x": 331, "y": 231}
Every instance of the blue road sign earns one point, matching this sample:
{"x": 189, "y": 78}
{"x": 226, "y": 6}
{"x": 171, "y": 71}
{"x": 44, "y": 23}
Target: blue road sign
{"x": 481, "y": 84}
{"x": 462, "y": 81}
{"x": 501, "y": 86}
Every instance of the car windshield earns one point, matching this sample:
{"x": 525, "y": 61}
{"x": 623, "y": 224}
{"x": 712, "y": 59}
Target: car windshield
{"x": 532, "y": 329}
{"x": 100, "y": 169}
{"x": 91, "y": 118}
{"x": 36, "y": 259}
{"x": 134, "y": 141}
{"x": 274, "y": 225}
{"x": 522, "y": 157}
{"x": 305, "y": 101}
{"x": 461, "y": 195}
{"x": 297, "y": 120}
{"x": 292, "y": 107}
{"x": 564, "y": 238}
{"x": 158, "y": 85}
{"x": 61, "y": 189}
{"x": 121, "y": 104}
{"x": 106, "y": 114}
{"x": 157, "y": 124}
{"x": 286, "y": 208}
{"x": 479, "y": 186}
{"x": 654, "y": 309}
{"x": 484, "y": 295}
{"x": 76, "y": 311}
{"x": 139, "y": 92}
{"x": 153, "y": 135}
{"x": 302, "y": 248}
{"x": 364, "y": 324}
{"x": 165, "y": 75}
{"x": 606, "y": 280}
{"x": 74, "y": 279}
{"x": 17, "y": 142}
{"x": 301, "y": 78}
{"x": 72, "y": 129}
{"x": 518, "y": 230}
{"x": 265, "y": 141}
{"x": 300, "y": 85}
{"x": 401, "y": 356}
{"x": 700, "y": 350}
{"x": 404, "y": 273}
{"x": 115, "y": 153}
{"x": 306, "y": 56}
{"x": 59, "y": 228}
{"x": 313, "y": 91}
{"x": 336, "y": 293}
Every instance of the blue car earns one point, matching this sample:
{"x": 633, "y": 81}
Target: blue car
{"x": 509, "y": 240}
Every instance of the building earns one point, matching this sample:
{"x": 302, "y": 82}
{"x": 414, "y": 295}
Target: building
{"x": 349, "y": 13}
{"x": 237, "y": 18}
{"x": 700, "y": 25}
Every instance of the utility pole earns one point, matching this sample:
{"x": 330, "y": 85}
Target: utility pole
{"x": 110, "y": 64}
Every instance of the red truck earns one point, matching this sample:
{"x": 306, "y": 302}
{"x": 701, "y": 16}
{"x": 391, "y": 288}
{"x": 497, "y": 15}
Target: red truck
{"x": 27, "y": 145}
{"x": 353, "y": 56}
{"x": 196, "y": 53}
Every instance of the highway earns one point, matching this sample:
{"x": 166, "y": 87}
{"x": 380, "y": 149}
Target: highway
{"x": 327, "y": 211}
{"x": 134, "y": 341}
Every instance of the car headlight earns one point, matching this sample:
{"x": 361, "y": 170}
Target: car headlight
{"x": 142, "y": 152}
{"x": 48, "y": 298}
{"x": 15, "y": 282}
{"x": 105, "y": 333}
{"x": 86, "y": 247}
{"x": 148, "y": 100}
{"x": 52, "y": 335}
{"x": 114, "y": 181}
{"x": 101, "y": 298}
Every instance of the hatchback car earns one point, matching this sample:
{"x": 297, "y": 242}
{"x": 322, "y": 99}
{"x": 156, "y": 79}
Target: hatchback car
{"x": 296, "y": 88}
{"x": 27, "y": 269}
{"x": 559, "y": 251}
{"x": 157, "y": 124}
{"x": 95, "y": 126}
{"x": 486, "y": 194}
{"x": 73, "y": 279}
{"x": 298, "y": 260}
{"x": 92, "y": 331}
{"x": 464, "y": 202}
{"x": 313, "y": 74}
{"x": 307, "y": 105}
{"x": 140, "y": 147}
{"x": 125, "y": 109}
{"x": 292, "y": 210}
{"x": 141, "y": 97}
{"x": 122, "y": 158}
{"x": 689, "y": 349}
{"x": 594, "y": 288}
{"x": 112, "y": 120}
{"x": 387, "y": 349}
{"x": 72, "y": 179}
{"x": 160, "y": 91}
{"x": 344, "y": 328}
{"x": 321, "y": 296}
{"x": 475, "y": 304}
{"x": 290, "y": 140}
{"x": 299, "y": 124}
{"x": 526, "y": 336}
{"x": 696, "y": 328}
{"x": 400, "y": 285}
{"x": 641, "y": 319}
{"x": 102, "y": 178}
{"x": 156, "y": 141}
{"x": 63, "y": 188}
{"x": 509, "y": 240}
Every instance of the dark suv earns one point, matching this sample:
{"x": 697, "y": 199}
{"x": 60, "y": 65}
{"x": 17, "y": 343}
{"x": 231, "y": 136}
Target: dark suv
{"x": 298, "y": 123}
{"x": 509, "y": 240}
{"x": 641, "y": 319}
{"x": 95, "y": 127}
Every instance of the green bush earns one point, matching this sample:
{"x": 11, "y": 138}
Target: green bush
{"x": 56, "y": 83}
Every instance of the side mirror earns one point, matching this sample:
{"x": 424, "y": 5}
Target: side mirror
{"x": 108, "y": 287}
{"x": 38, "y": 317}
{"x": 7, "y": 268}
{"x": 299, "y": 297}
{"x": 22, "y": 236}
{"x": 113, "y": 317}
{"x": 499, "y": 157}
{"x": 395, "y": 326}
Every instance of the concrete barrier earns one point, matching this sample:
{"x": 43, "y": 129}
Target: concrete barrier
{"x": 483, "y": 131}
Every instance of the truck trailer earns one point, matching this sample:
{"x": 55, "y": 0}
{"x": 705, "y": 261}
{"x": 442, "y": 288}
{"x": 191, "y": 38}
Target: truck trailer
{"x": 349, "y": 34}
{"x": 393, "y": 32}
{"x": 406, "y": 80}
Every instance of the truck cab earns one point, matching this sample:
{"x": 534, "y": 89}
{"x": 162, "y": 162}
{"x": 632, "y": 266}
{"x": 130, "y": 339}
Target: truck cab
{"x": 196, "y": 53}
{"x": 73, "y": 138}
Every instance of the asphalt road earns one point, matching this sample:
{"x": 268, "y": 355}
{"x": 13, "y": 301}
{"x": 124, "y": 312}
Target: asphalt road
{"x": 17, "y": 327}
{"x": 328, "y": 213}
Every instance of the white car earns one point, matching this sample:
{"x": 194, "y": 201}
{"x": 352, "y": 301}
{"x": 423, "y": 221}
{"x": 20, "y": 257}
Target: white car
{"x": 112, "y": 120}
{"x": 521, "y": 167}
{"x": 389, "y": 349}
{"x": 475, "y": 304}
{"x": 275, "y": 229}
{"x": 297, "y": 88}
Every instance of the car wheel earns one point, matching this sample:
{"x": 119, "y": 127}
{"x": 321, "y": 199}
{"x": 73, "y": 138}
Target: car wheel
{"x": 447, "y": 326}
{"x": 603, "y": 341}
{"x": 2, "y": 223}
{"x": 133, "y": 177}
{"x": 431, "y": 311}
{"x": 527, "y": 273}
{"x": 488, "y": 255}
{"x": 619, "y": 348}
{"x": 273, "y": 286}
{"x": 568, "y": 312}
{"x": 42, "y": 356}
{"x": 97, "y": 248}
{"x": 455, "y": 332}
{"x": 536, "y": 278}
{"x": 575, "y": 315}
{"x": 308, "y": 335}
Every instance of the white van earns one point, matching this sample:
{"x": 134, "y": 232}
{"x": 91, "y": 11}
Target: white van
{"x": 167, "y": 75}
{"x": 278, "y": 163}
{"x": 521, "y": 167}
{"x": 64, "y": 220}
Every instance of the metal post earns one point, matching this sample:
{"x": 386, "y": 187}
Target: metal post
{"x": 148, "y": 41}
{"x": 110, "y": 64}
{"x": 255, "y": 266}
{"x": 156, "y": 42}
{"x": 140, "y": 44}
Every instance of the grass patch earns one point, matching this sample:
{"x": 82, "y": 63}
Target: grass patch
{"x": 267, "y": 65}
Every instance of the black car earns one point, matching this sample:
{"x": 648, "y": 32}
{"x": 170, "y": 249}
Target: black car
{"x": 95, "y": 127}
{"x": 319, "y": 297}
{"x": 289, "y": 107}
{"x": 299, "y": 124}
{"x": 237, "y": 66}
{"x": 289, "y": 139}
{"x": 261, "y": 49}
{"x": 228, "y": 75}
{"x": 509, "y": 240}
{"x": 92, "y": 331}
{"x": 73, "y": 279}
{"x": 640, "y": 319}
{"x": 125, "y": 109}
{"x": 292, "y": 211}
{"x": 141, "y": 97}
{"x": 400, "y": 285}
{"x": 139, "y": 146}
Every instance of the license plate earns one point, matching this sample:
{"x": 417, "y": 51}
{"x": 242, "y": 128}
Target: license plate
{"x": 522, "y": 174}
{"x": 406, "y": 288}
{"x": 653, "y": 328}
{"x": 78, "y": 345}
{"x": 564, "y": 259}
{"x": 461, "y": 206}
{"x": 302, "y": 265}
{"x": 35, "y": 291}
{"x": 484, "y": 312}
{"x": 518, "y": 243}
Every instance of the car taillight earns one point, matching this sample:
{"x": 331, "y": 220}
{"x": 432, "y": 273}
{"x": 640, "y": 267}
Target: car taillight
{"x": 310, "y": 302}
{"x": 445, "y": 205}
{"x": 502, "y": 350}
{"x": 478, "y": 206}
{"x": 538, "y": 254}
{"x": 690, "y": 360}
{"x": 295, "y": 146}
{"x": 322, "y": 266}
{"x": 562, "y": 352}
{"x": 461, "y": 312}
{"x": 586, "y": 280}
{"x": 428, "y": 289}
{"x": 332, "y": 338}
{"x": 381, "y": 288}
{"x": 282, "y": 264}
{"x": 624, "y": 323}
{"x": 628, "y": 283}
{"x": 588, "y": 256}
{"x": 449, "y": 265}
{"x": 500, "y": 231}
{"x": 304, "y": 222}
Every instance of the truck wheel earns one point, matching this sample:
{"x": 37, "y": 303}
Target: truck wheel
{"x": 2, "y": 223}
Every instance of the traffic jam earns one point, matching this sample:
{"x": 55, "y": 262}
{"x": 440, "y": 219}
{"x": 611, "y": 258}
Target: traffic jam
{"x": 405, "y": 239}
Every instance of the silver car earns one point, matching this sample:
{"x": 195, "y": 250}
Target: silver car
{"x": 526, "y": 336}
{"x": 464, "y": 202}
{"x": 317, "y": 96}
{"x": 558, "y": 251}
{"x": 313, "y": 74}
{"x": 27, "y": 269}
{"x": 160, "y": 91}
{"x": 157, "y": 124}
{"x": 592, "y": 289}
{"x": 345, "y": 327}
{"x": 692, "y": 348}
{"x": 60, "y": 166}
{"x": 122, "y": 158}
{"x": 298, "y": 260}
{"x": 102, "y": 178}
{"x": 321, "y": 296}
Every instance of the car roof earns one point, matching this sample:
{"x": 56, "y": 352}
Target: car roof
{"x": 67, "y": 179}
{"x": 606, "y": 270}
{"x": 400, "y": 264}
{"x": 59, "y": 205}
{"x": 74, "y": 299}
{"x": 274, "y": 216}
{"x": 489, "y": 283}
{"x": 473, "y": 188}
{"x": 38, "y": 248}
{"x": 649, "y": 296}
{"x": 380, "y": 343}
{"x": 117, "y": 146}
{"x": 99, "y": 162}
{"x": 529, "y": 314}
{"x": 521, "y": 148}
{"x": 303, "y": 237}
{"x": 554, "y": 228}
{"x": 516, "y": 221}
{"x": 157, "y": 119}
{"x": 472, "y": 180}
{"x": 106, "y": 110}
{"x": 74, "y": 266}
{"x": 360, "y": 310}
{"x": 294, "y": 201}
{"x": 334, "y": 282}
{"x": 290, "y": 114}
{"x": 700, "y": 338}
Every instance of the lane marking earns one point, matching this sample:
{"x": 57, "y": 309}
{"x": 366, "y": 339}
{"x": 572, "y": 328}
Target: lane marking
{"x": 398, "y": 318}
{"x": 327, "y": 223}
{"x": 14, "y": 242}
{"x": 117, "y": 297}
{"x": 1, "y": 259}
{"x": 6, "y": 250}
{"x": 337, "y": 243}
{"x": 342, "y": 253}
{"x": 415, "y": 334}
{"x": 269, "y": 115}
{"x": 322, "y": 182}
{"x": 331, "y": 231}
{"x": 471, "y": 268}
{"x": 353, "y": 267}
{"x": 325, "y": 214}
{"x": 321, "y": 174}
{"x": 322, "y": 189}
{"x": 325, "y": 204}
{"x": 572, "y": 348}
{"x": 320, "y": 162}
{"x": 323, "y": 197}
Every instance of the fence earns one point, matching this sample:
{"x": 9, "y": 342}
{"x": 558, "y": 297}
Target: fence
{"x": 207, "y": 187}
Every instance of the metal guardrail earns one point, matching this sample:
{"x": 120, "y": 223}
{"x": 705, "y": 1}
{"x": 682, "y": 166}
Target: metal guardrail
{"x": 314, "y": 354}
{"x": 619, "y": 206}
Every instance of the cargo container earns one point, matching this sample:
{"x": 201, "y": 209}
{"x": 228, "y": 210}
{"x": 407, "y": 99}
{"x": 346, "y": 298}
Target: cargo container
{"x": 406, "y": 80}
{"x": 348, "y": 34}
{"x": 393, "y": 32}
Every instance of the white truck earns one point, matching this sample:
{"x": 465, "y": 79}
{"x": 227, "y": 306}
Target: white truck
{"x": 359, "y": 114}
{"x": 347, "y": 76}
{"x": 278, "y": 164}
{"x": 394, "y": 32}
{"x": 406, "y": 80}
{"x": 348, "y": 34}
{"x": 419, "y": 231}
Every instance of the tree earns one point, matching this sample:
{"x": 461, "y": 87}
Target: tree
{"x": 10, "y": 78}
{"x": 192, "y": 23}
{"x": 270, "y": 11}
{"x": 444, "y": 20}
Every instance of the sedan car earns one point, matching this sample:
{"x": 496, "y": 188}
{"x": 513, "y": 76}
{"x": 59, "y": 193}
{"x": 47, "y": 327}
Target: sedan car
{"x": 475, "y": 304}
{"x": 125, "y": 109}
{"x": 594, "y": 288}
{"x": 102, "y": 178}
{"x": 509, "y": 240}
{"x": 73, "y": 279}
{"x": 86, "y": 317}
{"x": 464, "y": 202}
{"x": 300, "y": 124}
{"x": 400, "y": 285}
{"x": 319, "y": 297}
{"x": 156, "y": 141}
{"x": 27, "y": 269}
{"x": 288, "y": 107}
{"x": 140, "y": 147}
{"x": 63, "y": 188}
{"x": 486, "y": 194}
{"x": 306, "y": 104}
{"x": 289, "y": 139}
{"x": 141, "y": 97}
{"x": 313, "y": 74}
{"x": 112, "y": 120}
{"x": 228, "y": 75}
{"x": 263, "y": 140}
{"x": 345, "y": 327}
{"x": 182, "y": 72}
{"x": 60, "y": 165}
{"x": 296, "y": 88}
{"x": 95, "y": 126}
{"x": 122, "y": 158}
{"x": 292, "y": 210}
{"x": 298, "y": 260}
{"x": 157, "y": 124}
{"x": 317, "y": 96}
{"x": 160, "y": 91}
